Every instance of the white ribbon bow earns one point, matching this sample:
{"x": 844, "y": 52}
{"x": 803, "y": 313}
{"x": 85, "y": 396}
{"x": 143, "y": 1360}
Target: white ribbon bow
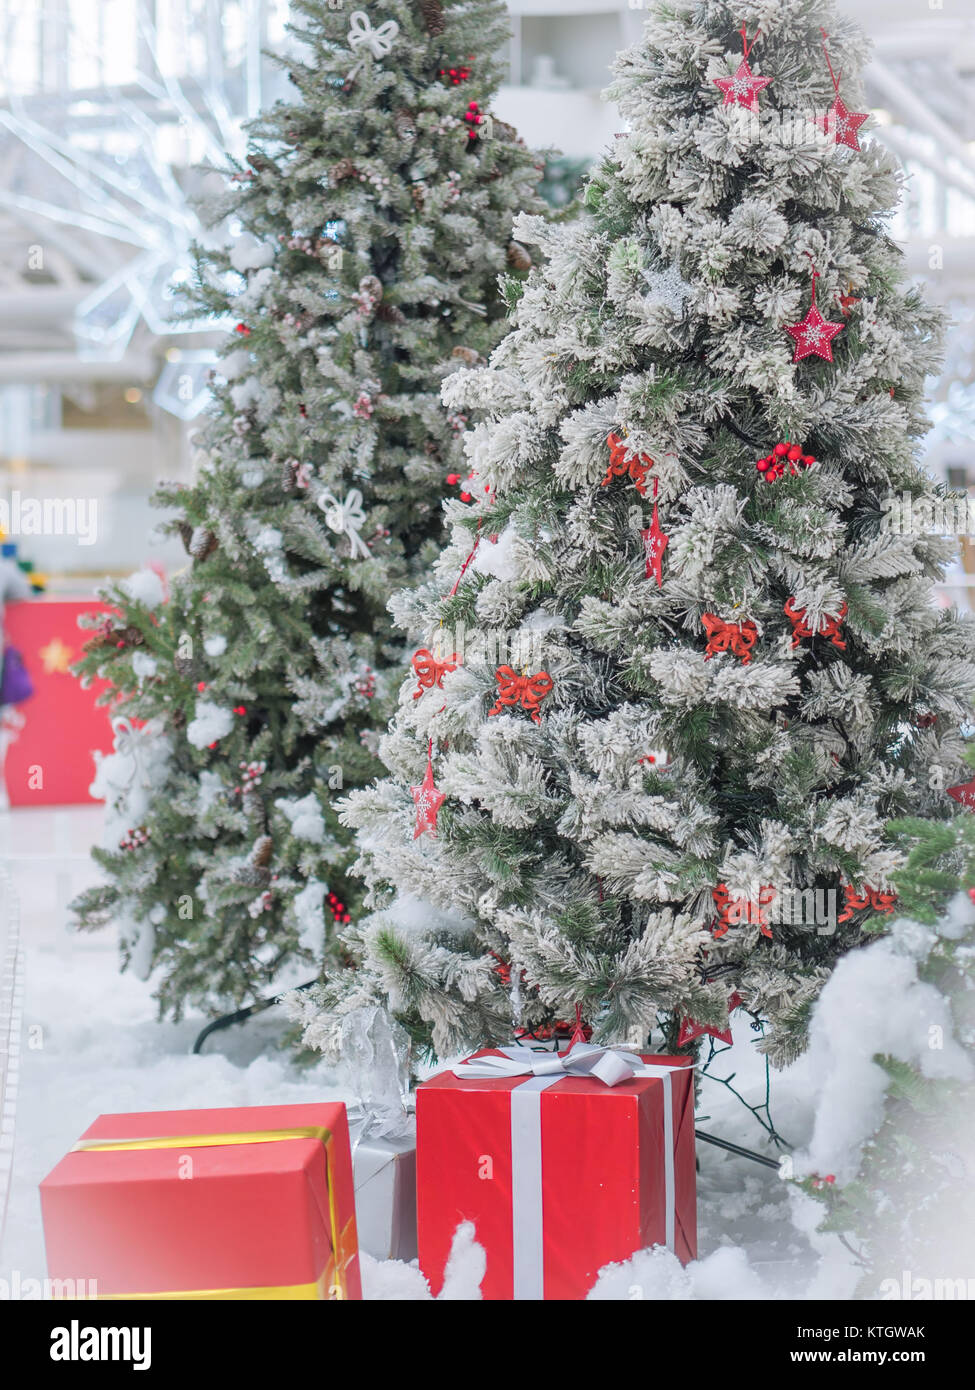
{"x": 129, "y": 744}
{"x": 363, "y": 35}
{"x": 603, "y": 1063}
{"x": 346, "y": 517}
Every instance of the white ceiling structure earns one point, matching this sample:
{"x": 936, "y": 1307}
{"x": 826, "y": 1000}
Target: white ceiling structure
{"x": 111, "y": 103}
{"x": 111, "y": 107}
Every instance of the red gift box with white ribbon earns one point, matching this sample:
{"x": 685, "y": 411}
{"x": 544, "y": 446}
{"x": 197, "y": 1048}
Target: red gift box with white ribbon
{"x": 564, "y": 1162}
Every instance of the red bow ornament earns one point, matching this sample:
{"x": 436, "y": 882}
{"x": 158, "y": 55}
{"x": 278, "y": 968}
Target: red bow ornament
{"x": 828, "y": 626}
{"x": 870, "y": 897}
{"x": 429, "y": 671}
{"x": 729, "y": 637}
{"x": 527, "y": 691}
{"x": 622, "y": 462}
{"x": 735, "y": 911}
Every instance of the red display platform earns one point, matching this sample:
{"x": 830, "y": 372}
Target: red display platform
{"x": 50, "y": 761}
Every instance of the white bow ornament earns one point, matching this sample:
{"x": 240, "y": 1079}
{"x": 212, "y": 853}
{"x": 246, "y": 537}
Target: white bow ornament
{"x": 346, "y": 518}
{"x": 605, "y": 1064}
{"x": 129, "y": 744}
{"x": 362, "y": 34}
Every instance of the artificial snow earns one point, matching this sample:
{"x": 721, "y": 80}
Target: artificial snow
{"x": 415, "y": 917}
{"x": 144, "y": 586}
{"x": 872, "y": 1004}
{"x": 308, "y": 914}
{"x": 248, "y": 254}
{"x": 236, "y": 363}
{"x": 210, "y": 722}
{"x": 305, "y": 817}
{"x": 94, "y": 1046}
{"x": 499, "y": 560}
{"x": 144, "y": 665}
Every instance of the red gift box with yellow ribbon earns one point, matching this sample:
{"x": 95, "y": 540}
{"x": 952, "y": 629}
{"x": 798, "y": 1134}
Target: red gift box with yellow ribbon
{"x": 244, "y": 1203}
{"x": 564, "y": 1162}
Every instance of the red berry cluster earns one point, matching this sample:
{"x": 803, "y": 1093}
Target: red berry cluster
{"x": 134, "y": 839}
{"x": 454, "y": 478}
{"x": 337, "y": 909}
{"x": 365, "y": 685}
{"x": 253, "y": 772}
{"x": 473, "y": 118}
{"x": 243, "y": 330}
{"x": 783, "y": 456}
{"x": 455, "y": 75}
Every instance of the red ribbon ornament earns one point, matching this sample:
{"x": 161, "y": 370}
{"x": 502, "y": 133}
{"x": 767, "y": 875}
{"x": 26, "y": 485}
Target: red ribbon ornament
{"x": 429, "y": 671}
{"x": 735, "y": 911}
{"x": 623, "y": 463}
{"x": 870, "y": 897}
{"x": 729, "y": 637}
{"x": 527, "y": 691}
{"x": 829, "y": 626}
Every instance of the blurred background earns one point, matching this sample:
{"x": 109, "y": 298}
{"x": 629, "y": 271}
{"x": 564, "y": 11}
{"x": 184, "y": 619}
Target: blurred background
{"x": 109, "y": 107}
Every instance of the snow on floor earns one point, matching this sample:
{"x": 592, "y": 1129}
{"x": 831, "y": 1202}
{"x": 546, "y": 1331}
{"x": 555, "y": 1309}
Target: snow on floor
{"x": 91, "y": 1044}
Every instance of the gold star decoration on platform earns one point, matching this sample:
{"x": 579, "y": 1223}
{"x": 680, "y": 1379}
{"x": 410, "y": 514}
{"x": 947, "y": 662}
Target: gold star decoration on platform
{"x": 56, "y": 657}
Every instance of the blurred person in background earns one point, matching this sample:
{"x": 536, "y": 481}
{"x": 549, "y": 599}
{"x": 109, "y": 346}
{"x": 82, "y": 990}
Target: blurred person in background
{"x": 15, "y": 683}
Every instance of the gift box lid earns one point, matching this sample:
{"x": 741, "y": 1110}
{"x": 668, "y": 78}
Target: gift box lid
{"x": 567, "y": 1085}
{"x": 255, "y": 1197}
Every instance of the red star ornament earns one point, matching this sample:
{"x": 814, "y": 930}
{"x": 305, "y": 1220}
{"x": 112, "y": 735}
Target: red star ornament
{"x": 964, "y": 794}
{"x": 813, "y": 337}
{"x": 689, "y": 1030}
{"x": 743, "y": 88}
{"x": 427, "y": 800}
{"x": 654, "y": 545}
{"x": 844, "y": 123}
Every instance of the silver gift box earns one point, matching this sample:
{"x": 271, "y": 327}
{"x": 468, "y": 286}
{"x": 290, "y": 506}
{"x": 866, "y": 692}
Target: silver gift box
{"x": 385, "y": 1196}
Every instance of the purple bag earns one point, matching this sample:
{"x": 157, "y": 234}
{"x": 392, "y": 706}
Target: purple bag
{"x": 16, "y": 685}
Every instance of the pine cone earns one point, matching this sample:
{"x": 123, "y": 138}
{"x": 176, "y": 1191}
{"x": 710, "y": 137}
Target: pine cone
{"x": 469, "y": 356}
{"x": 344, "y": 169}
{"x": 432, "y": 12}
{"x": 249, "y": 876}
{"x": 202, "y": 543}
{"x": 254, "y": 808}
{"x": 261, "y": 853}
{"x": 418, "y": 192}
{"x": 372, "y": 286}
{"x": 129, "y": 636}
{"x": 390, "y": 313}
{"x": 405, "y": 125}
{"x": 184, "y": 666}
{"x": 501, "y": 130}
{"x": 518, "y": 256}
{"x": 185, "y": 535}
{"x": 289, "y": 474}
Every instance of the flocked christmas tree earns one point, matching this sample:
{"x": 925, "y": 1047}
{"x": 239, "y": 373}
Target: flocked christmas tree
{"x": 376, "y": 210}
{"x": 699, "y": 669}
